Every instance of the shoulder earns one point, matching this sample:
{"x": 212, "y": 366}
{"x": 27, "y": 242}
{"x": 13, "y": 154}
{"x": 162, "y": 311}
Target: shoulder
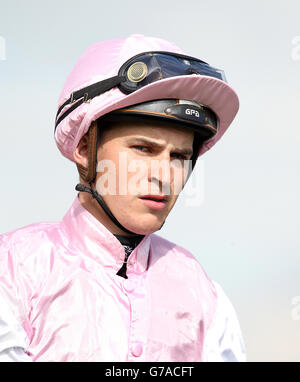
{"x": 166, "y": 249}
{"x": 26, "y": 258}
{"x": 22, "y": 240}
{"x": 224, "y": 341}
{"x": 30, "y": 230}
{"x": 26, "y": 254}
{"x": 174, "y": 257}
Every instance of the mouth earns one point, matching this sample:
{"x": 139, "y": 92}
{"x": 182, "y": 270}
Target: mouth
{"x": 156, "y": 202}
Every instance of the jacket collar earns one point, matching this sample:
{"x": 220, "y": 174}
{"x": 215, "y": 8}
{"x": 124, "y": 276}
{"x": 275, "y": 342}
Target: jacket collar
{"x": 89, "y": 236}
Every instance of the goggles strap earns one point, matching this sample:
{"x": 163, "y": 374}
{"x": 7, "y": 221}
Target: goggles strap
{"x": 80, "y": 187}
{"x": 73, "y": 107}
{"x": 86, "y": 94}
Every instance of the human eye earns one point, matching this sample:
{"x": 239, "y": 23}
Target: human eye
{"x": 142, "y": 148}
{"x": 179, "y": 156}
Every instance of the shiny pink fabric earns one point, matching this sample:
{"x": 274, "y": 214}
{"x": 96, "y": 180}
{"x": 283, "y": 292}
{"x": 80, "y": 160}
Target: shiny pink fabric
{"x": 60, "y": 281}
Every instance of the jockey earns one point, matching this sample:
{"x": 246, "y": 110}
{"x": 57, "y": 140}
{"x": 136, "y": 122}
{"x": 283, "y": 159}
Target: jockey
{"x": 101, "y": 285}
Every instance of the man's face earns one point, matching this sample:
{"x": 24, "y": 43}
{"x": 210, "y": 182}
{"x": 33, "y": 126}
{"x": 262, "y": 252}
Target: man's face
{"x": 141, "y": 168}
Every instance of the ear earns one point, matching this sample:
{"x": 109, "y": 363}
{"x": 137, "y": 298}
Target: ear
{"x": 81, "y": 152}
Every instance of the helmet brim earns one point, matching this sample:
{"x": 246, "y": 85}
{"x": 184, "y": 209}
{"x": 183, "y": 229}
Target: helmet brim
{"x": 210, "y": 92}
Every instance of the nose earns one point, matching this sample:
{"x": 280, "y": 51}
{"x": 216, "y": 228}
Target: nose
{"x": 160, "y": 173}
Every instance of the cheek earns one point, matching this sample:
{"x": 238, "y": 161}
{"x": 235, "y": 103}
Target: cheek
{"x": 132, "y": 176}
{"x": 179, "y": 175}
{"x": 122, "y": 173}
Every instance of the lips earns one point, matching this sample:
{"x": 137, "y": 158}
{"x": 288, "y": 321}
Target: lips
{"x": 155, "y": 202}
{"x": 156, "y": 198}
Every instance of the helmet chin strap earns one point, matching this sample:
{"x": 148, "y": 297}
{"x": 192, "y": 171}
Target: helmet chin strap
{"x": 80, "y": 187}
{"x": 95, "y": 195}
{"x": 89, "y": 175}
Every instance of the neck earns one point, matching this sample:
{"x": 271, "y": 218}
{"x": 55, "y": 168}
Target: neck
{"x": 93, "y": 207}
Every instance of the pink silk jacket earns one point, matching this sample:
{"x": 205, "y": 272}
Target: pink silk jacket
{"x": 61, "y": 300}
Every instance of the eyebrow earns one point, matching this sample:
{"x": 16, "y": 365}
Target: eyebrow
{"x": 154, "y": 143}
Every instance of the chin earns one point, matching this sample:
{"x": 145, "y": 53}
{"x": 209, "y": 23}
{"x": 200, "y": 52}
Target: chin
{"x": 145, "y": 228}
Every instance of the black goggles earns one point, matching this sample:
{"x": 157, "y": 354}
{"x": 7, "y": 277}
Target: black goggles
{"x": 141, "y": 70}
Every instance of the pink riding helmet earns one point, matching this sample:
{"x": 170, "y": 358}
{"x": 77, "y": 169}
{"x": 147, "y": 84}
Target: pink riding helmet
{"x": 103, "y": 60}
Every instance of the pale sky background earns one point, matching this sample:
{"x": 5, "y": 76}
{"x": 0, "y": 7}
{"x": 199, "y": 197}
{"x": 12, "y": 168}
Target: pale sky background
{"x": 245, "y": 233}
